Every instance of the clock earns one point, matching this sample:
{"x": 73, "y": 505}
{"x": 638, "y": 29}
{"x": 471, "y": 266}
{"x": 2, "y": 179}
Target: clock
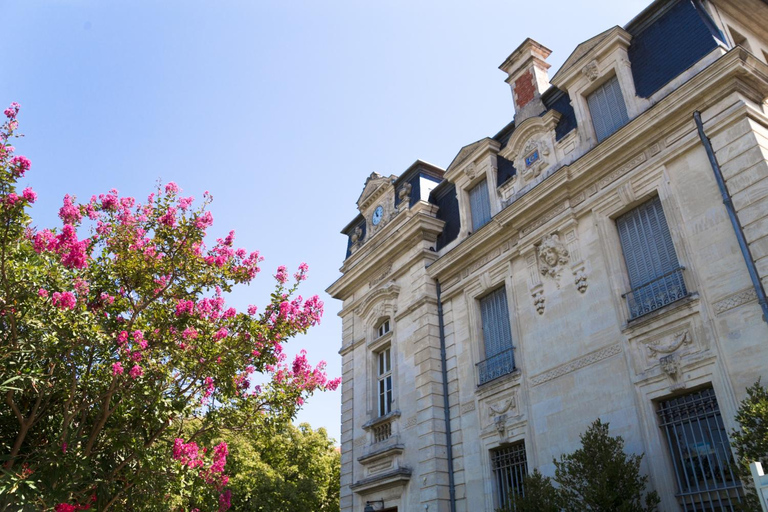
{"x": 378, "y": 213}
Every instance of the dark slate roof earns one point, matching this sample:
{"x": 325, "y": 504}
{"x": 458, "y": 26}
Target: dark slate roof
{"x": 350, "y": 228}
{"x": 419, "y": 169}
{"x": 506, "y": 170}
{"x": 667, "y": 41}
{"x": 444, "y": 196}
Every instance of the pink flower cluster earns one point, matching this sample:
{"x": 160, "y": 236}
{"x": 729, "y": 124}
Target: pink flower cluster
{"x": 20, "y": 165}
{"x": 64, "y": 300}
{"x": 12, "y": 111}
{"x": 73, "y": 252}
{"x": 187, "y": 453}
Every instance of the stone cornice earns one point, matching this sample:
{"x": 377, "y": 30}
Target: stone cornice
{"x": 404, "y": 232}
{"x": 396, "y": 477}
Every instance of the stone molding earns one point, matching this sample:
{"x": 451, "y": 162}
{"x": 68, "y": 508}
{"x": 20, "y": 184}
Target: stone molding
{"x": 735, "y": 300}
{"x": 594, "y": 357}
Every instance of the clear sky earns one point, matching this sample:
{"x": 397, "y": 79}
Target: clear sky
{"x": 280, "y": 108}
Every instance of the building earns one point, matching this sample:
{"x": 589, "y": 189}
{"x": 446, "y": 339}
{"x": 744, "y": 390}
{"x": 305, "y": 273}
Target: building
{"x": 580, "y": 263}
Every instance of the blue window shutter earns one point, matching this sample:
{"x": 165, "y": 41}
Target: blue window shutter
{"x": 655, "y": 275}
{"x": 608, "y": 110}
{"x": 497, "y": 334}
{"x": 480, "y": 205}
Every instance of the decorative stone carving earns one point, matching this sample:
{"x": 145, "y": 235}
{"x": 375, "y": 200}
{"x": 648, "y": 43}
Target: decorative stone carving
{"x": 670, "y": 365}
{"x": 470, "y": 170}
{"x": 532, "y": 159}
{"x": 502, "y": 407}
{"x": 501, "y": 424}
{"x": 356, "y": 239}
{"x": 674, "y": 342}
{"x": 578, "y": 266}
{"x": 538, "y": 300}
{"x": 590, "y": 70}
{"x": 553, "y": 256}
{"x": 405, "y": 196}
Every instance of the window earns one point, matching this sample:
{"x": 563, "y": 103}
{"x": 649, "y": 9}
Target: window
{"x": 700, "y": 452}
{"x": 384, "y": 379}
{"x": 383, "y": 328}
{"x": 509, "y": 468}
{"x": 480, "y": 205}
{"x": 609, "y": 113}
{"x": 655, "y": 276}
{"x": 497, "y": 337}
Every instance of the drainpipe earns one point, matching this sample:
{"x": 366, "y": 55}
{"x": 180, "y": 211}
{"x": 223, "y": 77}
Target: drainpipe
{"x": 446, "y": 404}
{"x": 728, "y": 202}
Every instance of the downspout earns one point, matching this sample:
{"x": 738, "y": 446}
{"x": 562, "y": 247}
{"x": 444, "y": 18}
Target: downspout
{"x": 728, "y": 202}
{"x": 446, "y": 404}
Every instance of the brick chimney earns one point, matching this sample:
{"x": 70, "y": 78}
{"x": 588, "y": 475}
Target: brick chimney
{"x": 526, "y": 68}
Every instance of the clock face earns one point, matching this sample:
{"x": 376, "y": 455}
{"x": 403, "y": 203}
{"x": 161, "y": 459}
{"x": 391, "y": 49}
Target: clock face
{"x": 377, "y": 214}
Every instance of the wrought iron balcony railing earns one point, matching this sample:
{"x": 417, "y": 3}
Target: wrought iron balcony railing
{"x": 496, "y": 366}
{"x": 657, "y": 293}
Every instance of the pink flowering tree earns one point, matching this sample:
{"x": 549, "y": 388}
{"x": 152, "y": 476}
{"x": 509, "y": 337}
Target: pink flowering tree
{"x": 120, "y": 360}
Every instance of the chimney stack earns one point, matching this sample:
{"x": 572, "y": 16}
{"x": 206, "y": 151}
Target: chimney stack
{"x": 526, "y": 68}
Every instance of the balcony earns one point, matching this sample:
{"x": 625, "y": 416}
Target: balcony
{"x": 496, "y": 366}
{"x": 656, "y": 294}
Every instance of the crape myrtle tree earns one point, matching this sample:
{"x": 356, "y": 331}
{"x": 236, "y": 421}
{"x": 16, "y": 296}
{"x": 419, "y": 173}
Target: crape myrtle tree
{"x": 119, "y": 358}
{"x": 751, "y": 440}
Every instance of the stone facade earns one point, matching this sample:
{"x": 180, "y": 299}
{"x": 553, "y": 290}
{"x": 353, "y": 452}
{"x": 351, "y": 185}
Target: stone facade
{"x": 553, "y": 245}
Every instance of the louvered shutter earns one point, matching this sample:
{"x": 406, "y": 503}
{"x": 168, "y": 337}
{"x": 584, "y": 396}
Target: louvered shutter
{"x": 495, "y": 316}
{"x": 654, "y": 271}
{"x": 480, "y": 205}
{"x": 609, "y": 112}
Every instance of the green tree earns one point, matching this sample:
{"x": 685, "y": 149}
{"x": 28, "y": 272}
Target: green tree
{"x": 751, "y": 439}
{"x": 119, "y": 356}
{"x": 540, "y": 495}
{"x": 284, "y": 469}
{"x": 600, "y": 477}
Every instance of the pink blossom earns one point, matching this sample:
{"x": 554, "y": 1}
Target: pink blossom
{"x": 185, "y": 202}
{"x": 64, "y": 507}
{"x": 136, "y": 371}
{"x": 252, "y": 309}
{"x": 169, "y": 218}
{"x": 204, "y": 221}
{"x": 225, "y": 499}
{"x": 171, "y": 188}
{"x": 117, "y": 368}
{"x": 42, "y": 292}
{"x": 282, "y": 274}
{"x": 122, "y": 337}
{"x": 11, "y": 199}
{"x": 20, "y": 165}
{"x": 64, "y": 300}
{"x": 221, "y": 333}
{"x": 189, "y": 333}
{"x": 12, "y": 111}
{"x": 30, "y": 195}
{"x": 69, "y": 213}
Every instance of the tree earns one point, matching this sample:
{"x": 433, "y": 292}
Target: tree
{"x": 285, "y": 469}
{"x": 119, "y": 357}
{"x": 540, "y": 495}
{"x": 599, "y": 476}
{"x": 751, "y": 440}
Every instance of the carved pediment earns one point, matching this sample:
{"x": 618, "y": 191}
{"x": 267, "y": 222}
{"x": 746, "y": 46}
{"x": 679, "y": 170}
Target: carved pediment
{"x": 465, "y": 153}
{"x": 374, "y": 187}
{"x": 531, "y": 146}
{"x": 580, "y": 51}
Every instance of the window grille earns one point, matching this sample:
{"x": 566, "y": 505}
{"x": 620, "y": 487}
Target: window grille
{"x": 385, "y": 381}
{"x": 382, "y": 432}
{"x": 509, "y": 468}
{"x": 383, "y": 328}
{"x": 497, "y": 337}
{"x": 609, "y": 113}
{"x": 480, "y": 205}
{"x": 700, "y": 452}
{"x": 655, "y": 276}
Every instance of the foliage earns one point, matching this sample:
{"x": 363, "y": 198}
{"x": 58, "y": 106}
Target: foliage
{"x": 599, "y": 476}
{"x": 119, "y": 356}
{"x": 751, "y": 440}
{"x": 284, "y": 469}
{"x": 540, "y": 495}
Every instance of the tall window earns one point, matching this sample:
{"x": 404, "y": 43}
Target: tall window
{"x": 480, "y": 205}
{"x": 655, "y": 275}
{"x": 609, "y": 113}
{"x": 384, "y": 376}
{"x": 509, "y": 468}
{"x": 700, "y": 452}
{"x": 497, "y": 337}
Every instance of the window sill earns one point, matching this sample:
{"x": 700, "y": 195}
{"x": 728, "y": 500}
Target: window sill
{"x": 499, "y": 384}
{"x": 381, "y": 420}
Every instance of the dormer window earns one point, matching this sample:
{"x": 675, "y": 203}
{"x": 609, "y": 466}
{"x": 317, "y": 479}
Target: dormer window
{"x": 479, "y": 205}
{"x": 608, "y": 110}
{"x": 383, "y": 328}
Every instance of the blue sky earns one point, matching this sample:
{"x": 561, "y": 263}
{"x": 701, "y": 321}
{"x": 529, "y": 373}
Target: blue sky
{"x": 280, "y": 109}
